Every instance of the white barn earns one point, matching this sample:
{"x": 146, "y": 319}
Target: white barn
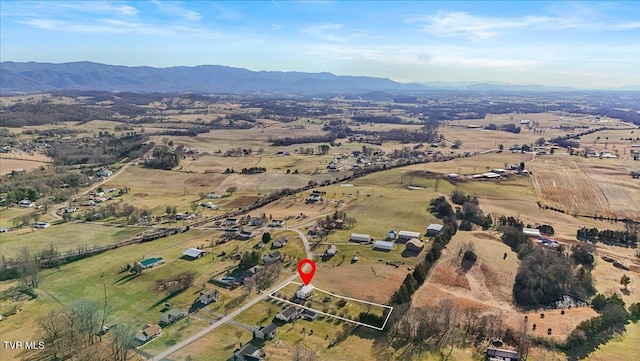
{"x": 359, "y": 237}
{"x": 404, "y": 236}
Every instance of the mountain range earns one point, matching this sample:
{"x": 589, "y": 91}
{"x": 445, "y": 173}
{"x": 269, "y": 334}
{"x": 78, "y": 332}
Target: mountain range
{"x": 32, "y": 77}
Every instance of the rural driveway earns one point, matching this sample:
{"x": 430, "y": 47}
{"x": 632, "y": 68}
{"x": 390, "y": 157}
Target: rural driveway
{"x": 228, "y": 318}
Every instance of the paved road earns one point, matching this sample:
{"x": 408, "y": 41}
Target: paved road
{"x": 58, "y": 207}
{"x": 228, "y": 318}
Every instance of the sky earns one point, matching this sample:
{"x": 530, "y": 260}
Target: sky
{"x": 579, "y": 44}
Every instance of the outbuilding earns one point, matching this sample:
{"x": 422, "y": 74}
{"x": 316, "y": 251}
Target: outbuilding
{"x": 360, "y": 237}
{"x": 208, "y": 297}
{"x": 383, "y": 245}
{"x": 531, "y": 232}
{"x": 194, "y": 253}
{"x": 404, "y": 236}
{"x": 414, "y": 245}
{"x": 434, "y": 229}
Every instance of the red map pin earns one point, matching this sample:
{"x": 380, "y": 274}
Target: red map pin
{"x": 306, "y": 270}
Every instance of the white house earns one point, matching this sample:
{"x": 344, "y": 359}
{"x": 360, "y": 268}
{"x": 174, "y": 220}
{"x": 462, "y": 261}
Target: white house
{"x": 25, "y": 203}
{"x": 304, "y": 292}
{"x": 194, "y": 253}
{"x": 41, "y": 225}
{"x": 288, "y": 314}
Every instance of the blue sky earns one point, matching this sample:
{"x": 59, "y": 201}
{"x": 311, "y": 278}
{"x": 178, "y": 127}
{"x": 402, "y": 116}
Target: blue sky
{"x": 580, "y": 44}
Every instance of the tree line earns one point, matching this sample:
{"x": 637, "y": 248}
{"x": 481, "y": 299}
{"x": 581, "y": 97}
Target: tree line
{"x": 593, "y": 235}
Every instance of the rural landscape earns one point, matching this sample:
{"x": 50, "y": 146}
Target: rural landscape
{"x": 159, "y": 226}
{"x": 319, "y": 180}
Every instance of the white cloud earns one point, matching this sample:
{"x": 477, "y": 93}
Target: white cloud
{"x": 456, "y": 23}
{"x": 176, "y": 9}
{"x": 326, "y": 32}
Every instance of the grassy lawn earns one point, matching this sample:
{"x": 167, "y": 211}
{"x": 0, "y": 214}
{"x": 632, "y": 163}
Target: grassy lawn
{"x": 65, "y": 237}
{"x": 12, "y": 216}
{"x": 218, "y": 345}
{"x": 622, "y": 348}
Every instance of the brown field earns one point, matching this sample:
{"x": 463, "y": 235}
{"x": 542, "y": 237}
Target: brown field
{"x": 7, "y": 165}
{"x": 358, "y": 282}
{"x": 621, "y": 191}
{"x": 562, "y": 184}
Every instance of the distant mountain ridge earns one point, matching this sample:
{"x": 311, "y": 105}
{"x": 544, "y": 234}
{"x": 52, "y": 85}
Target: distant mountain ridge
{"x": 42, "y": 77}
{"x": 33, "y": 77}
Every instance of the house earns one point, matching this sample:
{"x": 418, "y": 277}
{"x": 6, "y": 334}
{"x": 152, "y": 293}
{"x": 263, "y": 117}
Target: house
{"x": 279, "y": 243}
{"x": 41, "y": 225}
{"x": 360, "y": 238}
{"x": 251, "y": 272}
{"x": 414, "y": 245}
{"x": 309, "y": 315}
{"x": 404, "y": 236}
{"x": 248, "y": 352}
{"x": 25, "y": 203}
{"x": 304, "y": 292}
{"x": 104, "y": 173}
{"x": 256, "y": 222}
{"x": 331, "y": 250}
{"x": 172, "y": 316}
{"x": 213, "y": 196}
{"x": 495, "y": 354}
{"x": 531, "y": 232}
{"x": 230, "y": 222}
{"x": 70, "y": 210}
{"x": 207, "y": 297}
{"x": 151, "y": 262}
{"x": 276, "y": 223}
{"x": 4, "y": 229}
{"x": 230, "y": 232}
{"x": 194, "y": 253}
{"x": 525, "y": 122}
{"x": 453, "y": 175}
{"x": 244, "y": 235}
{"x": 266, "y": 332}
{"x": 313, "y": 198}
{"x": 288, "y": 314}
{"x": 434, "y": 228}
{"x": 383, "y": 245}
{"x": 272, "y": 258}
{"x": 148, "y": 332}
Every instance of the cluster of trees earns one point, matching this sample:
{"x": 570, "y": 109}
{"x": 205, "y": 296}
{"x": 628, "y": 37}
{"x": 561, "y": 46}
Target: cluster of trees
{"x": 470, "y": 211}
{"x": 414, "y": 280}
{"x": 16, "y": 195}
{"x": 611, "y": 320}
{"x": 22, "y": 114}
{"x": 512, "y": 128}
{"x": 248, "y": 260}
{"x": 319, "y": 138}
{"x": 564, "y": 142}
{"x": 377, "y": 119}
{"x": 441, "y": 208}
{"x": 329, "y": 222}
{"x": 76, "y": 333}
{"x": 545, "y": 276}
{"x": 98, "y": 151}
{"x": 426, "y": 134}
{"x": 510, "y": 221}
{"x": 594, "y": 235}
{"x": 163, "y": 158}
{"x": 131, "y": 213}
{"x": 253, "y": 170}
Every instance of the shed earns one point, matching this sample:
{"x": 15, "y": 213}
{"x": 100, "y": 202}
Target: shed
{"x": 414, "y": 245}
{"x": 392, "y": 235}
{"x": 531, "y": 232}
{"x": 501, "y": 355}
{"x": 194, "y": 253}
{"x": 383, "y": 245}
{"x": 359, "y": 237}
{"x": 434, "y": 229}
{"x": 404, "y": 236}
{"x": 41, "y": 225}
{"x": 304, "y": 292}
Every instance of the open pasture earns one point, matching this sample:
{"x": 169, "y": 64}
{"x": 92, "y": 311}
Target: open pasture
{"x": 562, "y": 184}
{"x": 8, "y": 165}
{"x": 65, "y": 237}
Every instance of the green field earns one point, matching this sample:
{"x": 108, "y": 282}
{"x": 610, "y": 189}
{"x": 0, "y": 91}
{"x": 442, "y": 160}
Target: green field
{"x": 65, "y": 237}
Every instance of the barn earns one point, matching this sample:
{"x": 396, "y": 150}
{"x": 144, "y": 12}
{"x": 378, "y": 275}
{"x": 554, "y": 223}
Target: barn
{"x": 414, "y": 245}
{"x": 194, "y": 253}
{"x": 383, "y": 246}
{"x": 404, "y": 236}
{"x": 359, "y": 237}
{"x": 434, "y": 229}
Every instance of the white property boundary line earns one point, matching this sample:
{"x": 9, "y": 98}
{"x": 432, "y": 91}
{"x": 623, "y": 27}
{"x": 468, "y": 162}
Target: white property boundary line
{"x": 334, "y": 316}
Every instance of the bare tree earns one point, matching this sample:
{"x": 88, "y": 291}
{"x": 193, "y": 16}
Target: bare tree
{"x": 121, "y": 342}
